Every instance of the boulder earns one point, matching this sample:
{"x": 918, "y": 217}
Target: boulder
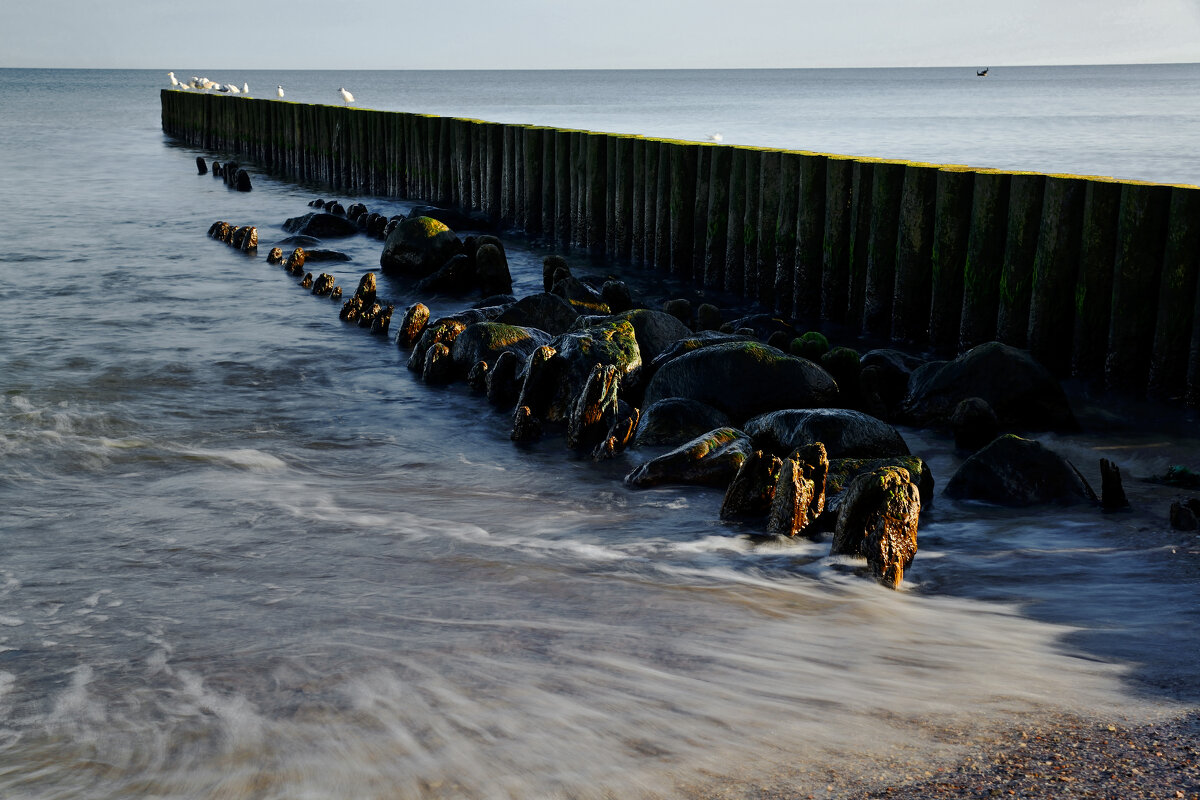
{"x": 323, "y": 285}
{"x": 1012, "y": 471}
{"x": 811, "y": 345}
{"x": 878, "y": 521}
{"x": 579, "y": 295}
{"x": 709, "y": 460}
{"x": 845, "y": 433}
{"x": 201, "y": 167}
{"x": 327, "y": 255}
{"x": 1184, "y": 514}
{"x": 676, "y": 420}
{"x": 456, "y": 276}
{"x": 307, "y": 281}
{"x": 695, "y": 342}
{"x": 444, "y": 331}
{"x": 544, "y": 311}
{"x": 974, "y": 424}
{"x": 321, "y": 225}
{"x": 552, "y": 265}
{"x": 417, "y": 247}
{"x": 883, "y": 381}
{"x": 763, "y": 325}
{"x": 438, "y": 368}
{"x": 382, "y": 321}
{"x": 491, "y": 269}
{"x": 275, "y": 256}
{"x": 1023, "y": 393}
{"x": 241, "y": 181}
{"x": 655, "y": 331}
{"x": 680, "y": 308}
{"x": 503, "y": 387}
{"x": 526, "y": 427}
{"x": 752, "y": 489}
{"x": 799, "y": 492}
{"x": 708, "y": 317}
{"x": 477, "y": 378}
{"x": 620, "y": 435}
{"x": 743, "y": 379}
{"x": 485, "y": 341}
{"x": 295, "y": 261}
{"x": 842, "y": 471}
{"x": 611, "y": 343}
{"x": 539, "y": 382}
{"x": 616, "y": 295}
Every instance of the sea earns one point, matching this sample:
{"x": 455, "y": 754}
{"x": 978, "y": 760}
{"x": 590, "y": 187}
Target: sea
{"x": 245, "y": 553}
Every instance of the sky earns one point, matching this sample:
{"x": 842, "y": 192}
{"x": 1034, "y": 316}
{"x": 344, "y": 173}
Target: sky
{"x": 603, "y": 34}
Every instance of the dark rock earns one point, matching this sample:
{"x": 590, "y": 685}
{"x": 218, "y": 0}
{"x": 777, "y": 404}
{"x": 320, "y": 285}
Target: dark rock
{"x": 580, "y": 296}
{"x": 477, "y": 378}
{"x": 550, "y": 267}
{"x": 307, "y": 281}
{"x": 843, "y": 364}
{"x": 217, "y": 169}
{"x": 382, "y": 321}
{"x": 680, "y": 308}
{"x": 743, "y": 379}
{"x": 452, "y": 219}
{"x": 655, "y": 331}
{"x": 1012, "y": 471}
{"x": 547, "y": 312}
{"x": 595, "y": 410}
{"x": 845, "y": 433}
{"x": 491, "y": 267}
{"x": 811, "y": 345}
{"x": 418, "y": 247}
{"x": 351, "y": 309}
{"x": 878, "y": 520}
{"x": 610, "y": 343}
{"x": 695, "y": 342}
{"x": 620, "y": 435}
{"x": 456, "y": 276}
{"x": 708, "y": 317}
{"x": 250, "y": 240}
{"x": 326, "y": 255}
{"x": 229, "y": 172}
{"x": 1185, "y": 514}
{"x": 709, "y": 460}
{"x": 376, "y": 224}
{"x": 1179, "y": 475}
{"x": 416, "y": 317}
{"x": 1112, "y": 492}
{"x": 974, "y": 424}
{"x": 318, "y": 203}
{"x": 320, "y": 225}
{"x": 800, "y": 491}
{"x": 485, "y": 341}
{"x": 242, "y": 181}
{"x": 752, "y": 489}
{"x": 615, "y": 294}
{"x": 336, "y": 294}
{"x": 335, "y": 208}
{"x": 201, "y": 167}
{"x": 502, "y": 384}
{"x": 220, "y": 231}
{"x": 675, "y": 420}
{"x": 842, "y": 471}
{"x": 1022, "y": 392}
{"x": 883, "y": 381}
{"x": 779, "y": 340}
{"x": 761, "y": 326}
{"x": 438, "y": 367}
{"x": 505, "y": 301}
{"x": 324, "y": 284}
{"x": 355, "y": 209}
{"x": 239, "y": 235}
{"x": 526, "y": 427}
{"x": 367, "y": 288}
{"x": 275, "y": 256}
{"x": 540, "y": 382}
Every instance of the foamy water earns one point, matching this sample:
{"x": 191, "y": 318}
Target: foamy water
{"x": 247, "y": 554}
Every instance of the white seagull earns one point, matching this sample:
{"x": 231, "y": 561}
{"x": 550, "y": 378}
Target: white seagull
{"x": 346, "y": 96}
{"x": 245, "y": 88}
{"x": 171, "y": 75}
{"x": 279, "y": 91}
{"x": 716, "y": 137}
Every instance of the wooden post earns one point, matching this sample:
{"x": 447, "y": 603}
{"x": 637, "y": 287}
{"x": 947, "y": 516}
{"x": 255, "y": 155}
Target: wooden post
{"x": 951, "y": 230}
{"x": 682, "y": 211}
{"x": 887, "y": 185}
{"x": 768, "y": 224}
{"x": 985, "y": 258}
{"x": 1176, "y": 327}
{"x": 716, "y": 239}
{"x": 785, "y": 232}
{"x": 837, "y": 238}
{"x": 914, "y": 255}
{"x": 811, "y": 216}
{"x": 735, "y": 241}
{"x": 1056, "y": 273}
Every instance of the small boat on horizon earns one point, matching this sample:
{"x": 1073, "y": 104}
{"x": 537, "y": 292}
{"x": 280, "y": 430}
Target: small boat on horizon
{"x": 982, "y": 73}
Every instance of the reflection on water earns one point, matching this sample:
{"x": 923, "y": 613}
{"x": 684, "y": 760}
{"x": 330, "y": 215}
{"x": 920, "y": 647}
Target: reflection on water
{"x": 247, "y": 554}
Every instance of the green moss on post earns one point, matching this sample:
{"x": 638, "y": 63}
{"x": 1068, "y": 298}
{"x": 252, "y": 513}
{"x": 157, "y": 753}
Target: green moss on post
{"x": 985, "y": 259}
{"x": 887, "y": 187}
{"x": 682, "y": 211}
{"x": 716, "y": 236}
{"x": 735, "y": 242}
{"x": 1176, "y": 328}
{"x": 837, "y": 239}
{"x": 1141, "y": 237}
{"x": 1056, "y": 273}
{"x": 1025, "y": 195}
{"x": 785, "y": 232}
{"x": 951, "y": 229}
{"x": 810, "y": 238}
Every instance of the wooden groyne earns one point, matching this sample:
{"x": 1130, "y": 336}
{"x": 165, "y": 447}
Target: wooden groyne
{"x": 1096, "y": 277}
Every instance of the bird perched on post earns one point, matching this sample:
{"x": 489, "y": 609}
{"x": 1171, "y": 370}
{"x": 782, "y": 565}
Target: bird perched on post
{"x": 279, "y": 91}
{"x": 346, "y": 96}
{"x": 174, "y": 81}
{"x": 245, "y": 88}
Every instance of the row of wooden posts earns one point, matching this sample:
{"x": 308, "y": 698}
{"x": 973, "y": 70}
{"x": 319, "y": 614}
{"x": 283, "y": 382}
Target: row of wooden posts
{"x": 1096, "y": 277}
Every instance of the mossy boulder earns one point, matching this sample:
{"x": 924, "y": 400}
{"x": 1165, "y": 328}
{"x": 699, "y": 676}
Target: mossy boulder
{"x": 676, "y": 420}
{"x": 321, "y": 225}
{"x": 656, "y": 331}
{"x": 417, "y": 247}
{"x": 1017, "y": 472}
{"x": 544, "y": 311}
{"x": 581, "y": 297}
{"x": 455, "y": 277}
{"x": 811, "y": 345}
{"x": 708, "y": 460}
{"x": 845, "y": 433}
{"x": 491, "y": 270}
{"x": 1023, "y": 393}
{"x": 743, "y": 379}
{"x": 844, "y": 470}
{"x": 752, "y": 489}
{"x": 878, "y": 521}
{"x": 611, "y": 343}
{"x": 485, "y": 341}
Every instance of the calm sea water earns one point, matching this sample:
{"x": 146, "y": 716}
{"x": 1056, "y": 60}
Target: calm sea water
{"x": 244, "y": 553}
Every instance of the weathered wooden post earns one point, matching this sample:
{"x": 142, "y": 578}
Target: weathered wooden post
{"x": 1176, "y": 325}
{"x": 1056, "y": 273}
{"x": 887, "y": 186}
{"x": 716, "y": 238}
{"x": 837, "y": 237}
{"x": 985, "y": 258}
{"x": 951, "y": 231}
{"x": 914, "y": 255}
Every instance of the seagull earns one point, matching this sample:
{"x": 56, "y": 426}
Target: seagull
{"x": 245, "y": 88}
{"x": 279, "y": 91}
{"x": 171, "y": 75}
{"x": 346, "y": 96}
{"x": 716, "y": 137}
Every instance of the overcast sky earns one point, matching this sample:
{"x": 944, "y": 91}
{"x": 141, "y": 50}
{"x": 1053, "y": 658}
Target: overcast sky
{"x": 604, "y": 34}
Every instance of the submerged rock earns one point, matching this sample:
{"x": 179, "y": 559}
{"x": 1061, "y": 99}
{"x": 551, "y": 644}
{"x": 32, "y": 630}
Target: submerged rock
{"x": 1012, "y": 471}
{"x": 752, "y": 489}
{"x": 321, "y": 225}
{"x": 417, "y": 247}
{"x": 878, "y": 521}
{"x": 676, "y": 420}
{"x": 709, "y": 460}
{"x": 845, "y": 433}
{"x": 800, "y": 491}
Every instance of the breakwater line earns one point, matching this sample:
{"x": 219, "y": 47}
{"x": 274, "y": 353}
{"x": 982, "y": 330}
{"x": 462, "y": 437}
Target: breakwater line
{"x": 1096, "y": 277}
